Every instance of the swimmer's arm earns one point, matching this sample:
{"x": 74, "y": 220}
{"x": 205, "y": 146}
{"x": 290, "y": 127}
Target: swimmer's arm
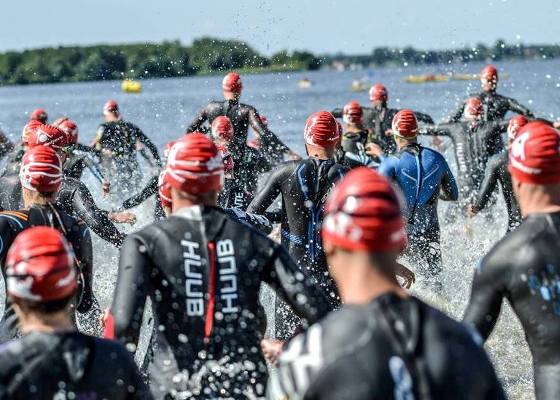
{"x": 197, "y": 122}
{"x": 436, "y": 130}
{"x": 516, "y": 107}
{"x": 486, "y": 298}
{"x": 84, "y": 254}
{"x": 269, "y": 192}
{"x": 131, "y": 291}
{"x": 422, "y": 117}
{"x": 150, "y": 189}
{"x": 150, "y": 145}
{"x": 456, "y": 116}
{"x": 449, "y": 189}
{"x": 294, "y": 286}
{"x": 96, "y": 219}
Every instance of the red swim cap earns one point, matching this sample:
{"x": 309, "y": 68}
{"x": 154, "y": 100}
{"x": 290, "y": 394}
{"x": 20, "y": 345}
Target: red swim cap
{"x": 405, "y": 124}
{"x": 195, "y": 165}
{"x": 534, "y": 156}
{"x": 41, "y": 170}
{"x": 515, "y": 124}
{"x": 164, "y": 190}
{"x": 40, "y": 266}
{"x": 352, "y": 113}
{"x": 322, "y": 130}
{"x": 378, "y": 92}
{"x": 28, "y": 129}
{"x": 489, "y": 73}
{"x": 232, "y": 83}
{"x": 110, "y": 107}
{"x": 222, "y": 128}
{"x": 39, "y": 115}
{"x": 473, "y": 108}
{"x": 47, "y": 135}
{"x": 363, "y": 213}
{"x": 69, "y": 127}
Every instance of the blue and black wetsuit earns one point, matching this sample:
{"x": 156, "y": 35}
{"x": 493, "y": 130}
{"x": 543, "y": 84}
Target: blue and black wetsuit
{"x": 303, "y": 186}
{"x": 424, "y": 176}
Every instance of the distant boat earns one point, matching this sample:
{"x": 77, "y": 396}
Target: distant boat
{"x": 426, "y": 78}
{"x": 129, "y": 86}
{"x": 304, "y": 83}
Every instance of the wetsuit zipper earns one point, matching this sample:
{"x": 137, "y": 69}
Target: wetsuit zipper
{"x": 210, "y": 305}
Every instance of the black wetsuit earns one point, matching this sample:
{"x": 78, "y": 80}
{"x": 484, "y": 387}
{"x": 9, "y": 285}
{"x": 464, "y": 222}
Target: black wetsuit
{"x": 14, "y": 160}
{"x": 378, "y": 120}
{"x": 495, "y": 106}
{"x": 14, "y": 222}
{"x": 524, "y": 268}
{"x": 497, "y": 171}
{"x": 202, "y": 271}
{"x": 47, "y": 366}
{"x": 473, "y": 145}
{"x": 303, "y": 187}
{"x": 79, "y": 160}
{"x": 391, "y": 348}
{"x": 74, "y": 198}
{"x": 233, "y": 194}
{"x": 149, "y": 190}
{"x": 242, "y": 116}
{"x": 352, "y": 153}
{"x": 117, "y": 141}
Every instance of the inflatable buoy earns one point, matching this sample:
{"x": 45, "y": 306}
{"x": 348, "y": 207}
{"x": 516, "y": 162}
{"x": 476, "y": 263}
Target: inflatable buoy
{"x": 129, "y": 86}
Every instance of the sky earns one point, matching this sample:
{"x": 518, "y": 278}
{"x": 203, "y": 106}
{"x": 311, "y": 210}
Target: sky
{"x": 348, "y": 26}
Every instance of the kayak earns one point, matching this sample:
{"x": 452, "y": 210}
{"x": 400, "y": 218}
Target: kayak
{"x": 129, "y": 86}
{"x": 304, "y": 83}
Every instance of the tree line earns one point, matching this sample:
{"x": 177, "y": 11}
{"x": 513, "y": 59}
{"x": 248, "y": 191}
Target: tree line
{"x": 209, "y": 55}
{"x": 139, "y": 61}
{"x": 398, "y": 56}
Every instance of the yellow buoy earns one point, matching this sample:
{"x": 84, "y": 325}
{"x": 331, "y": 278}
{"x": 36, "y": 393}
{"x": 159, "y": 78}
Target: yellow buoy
{"x": 129, "y": 86}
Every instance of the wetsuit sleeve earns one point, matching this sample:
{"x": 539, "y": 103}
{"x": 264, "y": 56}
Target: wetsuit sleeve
{"x": 269, "y": 192}
{"x": 150, "y": 145}
{"x": 7, "y": 236}
{"x": 270, "y": 143}
{"x": 486, "y": 297}
{"x": 99, "y": 137}
{"x": 456, "y": 116}
{"x": 84, "y": 254}
{"x": 387, "y": 168}
{"x": 150, "y": 189}
{"x": 435, "y": 130}
{"x": 6, "y": 146}
{"x": 131, "y": 290}
{"x": 94, "y": 169}
{"x": 97, "y": 220}
{"x": 197, "y": 122}
{"x": 86, "y": 149}
{"x": 487, "y": 186}
{"x": 516, "y": 107}
{"x": 449, "y": 189}
{"x": 337, "y": 112}
{"x": 296, "y": 288}
{"x": 422, "y": 117}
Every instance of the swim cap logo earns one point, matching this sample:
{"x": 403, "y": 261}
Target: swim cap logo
{"x": 518, "y": 146}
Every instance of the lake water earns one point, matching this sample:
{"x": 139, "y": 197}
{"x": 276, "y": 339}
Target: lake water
{"x": 166, "y": 106}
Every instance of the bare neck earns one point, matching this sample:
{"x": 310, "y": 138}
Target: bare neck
{"x": 31, "y": 199}
{"x": 49, "y": 323}
{"x": 540, "y": 201}
{"x": 366, "y": 283}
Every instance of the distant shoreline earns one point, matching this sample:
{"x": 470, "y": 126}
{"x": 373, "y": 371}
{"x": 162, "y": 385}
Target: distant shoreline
{"x": 208, "y": 56}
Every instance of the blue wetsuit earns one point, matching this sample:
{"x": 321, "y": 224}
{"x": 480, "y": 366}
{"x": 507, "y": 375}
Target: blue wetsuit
{"x": 303, "y": 187}
{"x": 424, "y": 176}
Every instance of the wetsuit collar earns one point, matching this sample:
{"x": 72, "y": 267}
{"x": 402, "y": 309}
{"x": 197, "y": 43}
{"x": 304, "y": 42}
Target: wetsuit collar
{"x": 190, "y": 212}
